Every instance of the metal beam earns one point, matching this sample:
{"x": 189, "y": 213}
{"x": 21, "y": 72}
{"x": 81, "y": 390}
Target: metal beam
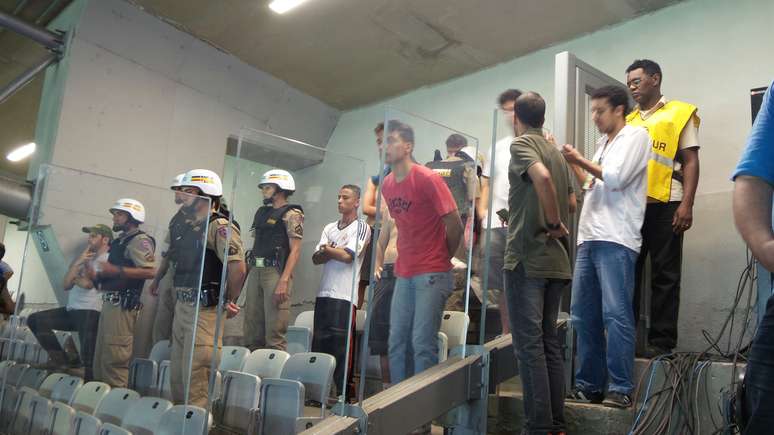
{"x": 427, "y": 395}
{"x": 26, "y": 77}
{"x": 44, "y": 37}
{"x": 15, "y": 198}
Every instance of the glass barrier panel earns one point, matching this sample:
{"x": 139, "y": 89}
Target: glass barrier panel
{"x": 305, "y": 241}
{"x": 88, "y": 305}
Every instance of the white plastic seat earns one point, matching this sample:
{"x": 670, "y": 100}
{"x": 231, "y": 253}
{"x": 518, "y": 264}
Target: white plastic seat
{"x": 85, "y": 424}
{"x": 161, "y": 351}
{"x": 232, "y": 358}
{"x": 443, "y": 346}
{"x": 65, "y": 390}
{"x": 115, "y": 404}
{"x": 67, "y": 342}
{"x": 89, "y": 396}
{"x": 33, "y": 378}
{"x": 50, "y": 383}
{"x": 19, "y": 350}
{"x": 236, "y": 409}
{"x": 31, "y": 353}
{"x": 184, "y": 420}
{"x": 315, "y": 371}
{"x": 455, "y": 325}
{"x": 61, "y": 419}
{"x": 165, "y": 381}
{"x": 265, "y": 363}
{"x": 306, "y": 319}
{"x": 13, "y": 374}
{"x": 41, "y": 415}
{"x": 299, "y": 339}
{"x": 144, "y": 415}
{"x": 282, "y": 403}
{"x": 111, "y": 429}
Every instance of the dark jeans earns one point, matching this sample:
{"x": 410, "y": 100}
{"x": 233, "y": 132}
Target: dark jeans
{"x": 330, "y": 335}
{"x": 533, "y": 304}
{"x": 759, "y": 378}
{"x": 84, "y": 322}
{"x": 666, "y": 260}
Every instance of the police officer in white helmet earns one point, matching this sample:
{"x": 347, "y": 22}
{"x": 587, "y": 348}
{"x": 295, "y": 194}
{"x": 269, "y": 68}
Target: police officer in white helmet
{"x": 161, "y": 287}
{"x": 278, "y": 230}
{"x": 131, "y": 261}
{"x": 196, "y": 284}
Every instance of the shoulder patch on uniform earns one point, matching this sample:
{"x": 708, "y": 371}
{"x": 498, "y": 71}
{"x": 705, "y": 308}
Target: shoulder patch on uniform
{"x": 299, "y": 229}
{"x": 232, "y": 250}
{"x": 223, "y": 231}
{"x": 146, "y": 244}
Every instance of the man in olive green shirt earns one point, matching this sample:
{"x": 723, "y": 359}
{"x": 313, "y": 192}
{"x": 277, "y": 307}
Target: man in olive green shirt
{"x": 537, "y": 264}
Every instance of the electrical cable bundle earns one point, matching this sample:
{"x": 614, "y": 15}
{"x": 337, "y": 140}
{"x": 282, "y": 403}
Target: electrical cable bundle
{"x": 672, "y": 405}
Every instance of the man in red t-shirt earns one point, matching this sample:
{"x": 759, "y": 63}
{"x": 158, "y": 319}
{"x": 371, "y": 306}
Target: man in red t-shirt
{"x": 429, "y": 232}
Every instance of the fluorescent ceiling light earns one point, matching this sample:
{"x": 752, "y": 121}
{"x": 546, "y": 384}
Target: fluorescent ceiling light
{"x": 21, "y": 152}
{"x": 282, "y": 6}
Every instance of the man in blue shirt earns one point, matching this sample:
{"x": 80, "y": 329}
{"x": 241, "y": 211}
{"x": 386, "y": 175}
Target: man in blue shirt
{"x": 753, "y": 190}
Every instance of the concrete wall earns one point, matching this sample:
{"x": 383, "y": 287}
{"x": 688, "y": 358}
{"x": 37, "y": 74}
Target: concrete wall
{"x": 711, "y": 51}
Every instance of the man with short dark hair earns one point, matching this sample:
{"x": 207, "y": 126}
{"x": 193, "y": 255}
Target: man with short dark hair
{"x": 340, "y": 251}
{"x": 609, "y": 239}
{"x": 430, "y": 231}
{"x": 673, "y": 176}
{"x": 537, "y": 266}
{"x": 494, "y": 183}
{"x": 84, "y": 303}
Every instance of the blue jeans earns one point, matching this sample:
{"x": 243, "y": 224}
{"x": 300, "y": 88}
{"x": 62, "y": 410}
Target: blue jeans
{"x": 415, "y": 318}
{"x": 533, "y": 304}
{"x": 759, "y": 378}
{"x": 602, "y": 292}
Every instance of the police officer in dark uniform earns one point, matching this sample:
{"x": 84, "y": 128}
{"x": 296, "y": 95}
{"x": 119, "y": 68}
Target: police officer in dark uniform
{"x": 131, "y": 261}
{"x": 279, "y": 228}
{"x": 458, "y": 171}
{"x": 199, "y": 286}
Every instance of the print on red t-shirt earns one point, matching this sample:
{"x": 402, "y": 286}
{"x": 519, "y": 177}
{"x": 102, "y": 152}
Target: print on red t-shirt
{"x": 417, "y": 204}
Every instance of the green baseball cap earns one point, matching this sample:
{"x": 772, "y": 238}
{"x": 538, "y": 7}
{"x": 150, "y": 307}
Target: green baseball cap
{"x": 101, "y": 229}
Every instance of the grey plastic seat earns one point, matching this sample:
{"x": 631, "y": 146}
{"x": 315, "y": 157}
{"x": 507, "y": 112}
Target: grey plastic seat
{"x": 25, "y": 407}
{"x": 299, "y": 339}
{"x": 305, "y": 318}
{"x": 184, "y": 420}
{"x": 144, "y": 376}
{"x": 315, "y": 371}
{"x": 51, "y": 381}
{"x": 165, "y": 383}
{"x": 41, "y": 415}
{"x": 115, "y": 404}
{"x": 67, "y": 342}
{"x": 65, "y": 390}
{"x": 282, "y": 403}
{"x": 237, "y": 408}
{"x": 232, "y": 358}
{"x": 89, "y": 396}
{"x": 33, "y": 378}
{"x": 265, "y": 363}
{"x": 61, "y": 419}
{"x": 13, "y": 373}
{"x": 85, "y": 424}
{"x": 111, "y": 429}
{"x": 19, "y": 349}
{"x": 31, "y": 353}
{"x": 144, "y": 415}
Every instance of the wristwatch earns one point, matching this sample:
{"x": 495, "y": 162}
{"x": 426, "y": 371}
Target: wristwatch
{"x": 554, "y": 227}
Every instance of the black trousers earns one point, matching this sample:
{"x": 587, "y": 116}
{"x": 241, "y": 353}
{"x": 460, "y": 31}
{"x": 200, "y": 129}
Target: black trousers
{"x": 330, "y": 335}
{"x": 666, "y": 260}
{"x": 759, "y": 378}
{"x": 84, "y": 322}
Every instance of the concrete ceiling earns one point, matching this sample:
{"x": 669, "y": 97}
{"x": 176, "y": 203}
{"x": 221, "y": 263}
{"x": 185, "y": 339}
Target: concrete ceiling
{"x": 349, "y": 53}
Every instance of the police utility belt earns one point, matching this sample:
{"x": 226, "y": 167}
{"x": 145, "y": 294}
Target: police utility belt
{"x": 128, "y": 300}
{"x": 263, "y": 262}
{"x": 206, "y": 297}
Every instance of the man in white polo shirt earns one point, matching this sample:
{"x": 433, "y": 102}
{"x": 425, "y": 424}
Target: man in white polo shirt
{"x": 341, "y": 251}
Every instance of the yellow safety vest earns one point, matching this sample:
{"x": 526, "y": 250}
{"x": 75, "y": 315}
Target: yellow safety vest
{"x": 664, "y": 127}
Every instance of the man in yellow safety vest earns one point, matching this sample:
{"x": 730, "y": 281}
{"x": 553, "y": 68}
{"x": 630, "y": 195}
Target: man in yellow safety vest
{"x": 673, "y": 175}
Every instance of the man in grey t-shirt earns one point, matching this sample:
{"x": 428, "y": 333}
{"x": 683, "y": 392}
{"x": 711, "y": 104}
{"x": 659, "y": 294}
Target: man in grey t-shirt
{"x": 84, "y": 304}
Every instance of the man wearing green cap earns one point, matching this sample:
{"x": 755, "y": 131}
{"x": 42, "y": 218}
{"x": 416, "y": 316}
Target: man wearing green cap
{"x": 84, "y": 303}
